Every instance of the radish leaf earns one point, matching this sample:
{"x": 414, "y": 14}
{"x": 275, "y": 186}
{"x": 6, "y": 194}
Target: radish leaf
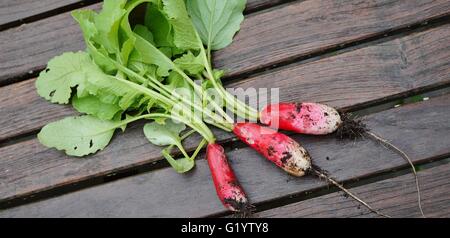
{"x": 190, "y": 63}
{"x": 159, "y": 25}
{"x": 63, "y": 73}
{"x": 169, "y": 134}
{"x": 185, "y": 37}
{"x": 108, "y": 23}
{"x": 91, "y": 105}
{"x": 85, "y": 19}
{"x": 216, "y": 21}
{"x": 182, "y": 165}
{"x": 143, "y": 32}
{"x": 163, "y": 135}
{"x": 149, "y": 54}
{"x": 78, "y": 136}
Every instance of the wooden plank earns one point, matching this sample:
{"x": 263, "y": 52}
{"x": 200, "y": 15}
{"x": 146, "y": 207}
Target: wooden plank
{"x": 16, "y": 10}
{"x": 301, "y": 28}
{"x": 396, "y": 197}
{"x": 164, "y": 193}
{"x": 415, "y": 61}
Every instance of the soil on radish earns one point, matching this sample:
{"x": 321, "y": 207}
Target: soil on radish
{"x": 238, "y": 204}
{"x": 351, "y": 128}
{"x": 286, "y": 156}
{"x": 271, "y": 151}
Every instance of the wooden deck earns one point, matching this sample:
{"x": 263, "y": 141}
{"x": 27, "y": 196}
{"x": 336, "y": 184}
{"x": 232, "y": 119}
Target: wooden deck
{"x": 363, "y": 56}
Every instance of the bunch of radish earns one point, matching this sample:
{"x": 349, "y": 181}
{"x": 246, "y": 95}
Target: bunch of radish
{"x": 131, "y": 72}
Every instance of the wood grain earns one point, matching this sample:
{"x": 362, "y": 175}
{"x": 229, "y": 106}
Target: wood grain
{"x": 300, "y": 28}
{"x": 313, "y": 26}
{"x": 372, "y": 73}
{"x": 23, "y": 111}
{"x": 396, "y": 197}
{"x": 192, "y": 195}
{"x": 255, "y": 5}
{"x": 16, "y": 10}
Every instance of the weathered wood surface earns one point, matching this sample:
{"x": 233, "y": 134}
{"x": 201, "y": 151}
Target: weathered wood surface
{"x": 408, "y": 63}
{"x": 164, "y": 193}
{"x": 16, "y": 10}
{"x": 368, "y": 74}
{"x": 300, "y": 28}
{"x": 396, "y": 197}
{"x": 255, "y": 5}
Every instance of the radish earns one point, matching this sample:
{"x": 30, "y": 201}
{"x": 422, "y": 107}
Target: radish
{"x": 305, "y": 118}
{"x": 227, "y": 186}
{"x": 285, "y": 152}
{"x": 319, "y": 119}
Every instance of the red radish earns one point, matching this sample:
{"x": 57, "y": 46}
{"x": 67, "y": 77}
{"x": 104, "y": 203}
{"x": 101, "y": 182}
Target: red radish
{"x": 282, "y": 150}
{"x": 227, "y": 186}
{"x": 305, "y": 118}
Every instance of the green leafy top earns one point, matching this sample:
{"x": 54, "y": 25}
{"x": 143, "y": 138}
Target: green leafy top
{"x": 131, "y": 72}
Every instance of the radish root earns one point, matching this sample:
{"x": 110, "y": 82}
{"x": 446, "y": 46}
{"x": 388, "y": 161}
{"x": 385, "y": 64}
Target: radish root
{"x": 323, "y": 175}
{"x": 355, "y": 129}
{"x": 386, "y": 143}
{"x": 246, "y": 212}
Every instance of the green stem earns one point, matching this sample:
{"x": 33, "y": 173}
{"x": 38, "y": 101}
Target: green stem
{"x": 165, "y": 91}
{"x": 201, "y": 128}
{"x": 189, "y": 133}
{"x": 199, "y": 91}
{"x": 210, "y": 30}
{"x": 181, "y": 148}
{"x": 242, "y": 109}
{"x": 147, "y": 91}
{"x": 199, "y": 148}
{"x": 204, "y": 129}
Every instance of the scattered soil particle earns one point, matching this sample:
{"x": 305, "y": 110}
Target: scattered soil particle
{"x": 298, "y": 107}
